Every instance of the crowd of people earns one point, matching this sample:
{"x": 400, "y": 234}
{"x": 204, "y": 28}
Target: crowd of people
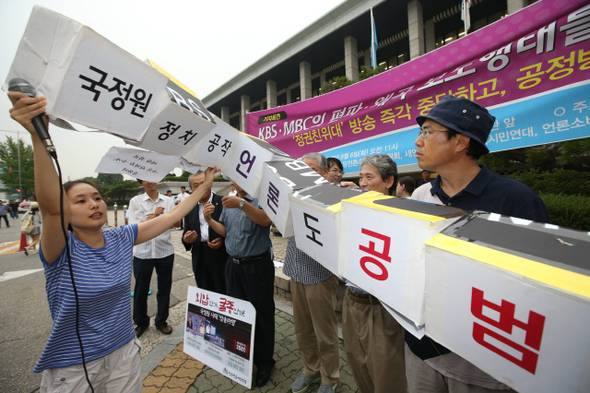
{"x": 229, "y": 239}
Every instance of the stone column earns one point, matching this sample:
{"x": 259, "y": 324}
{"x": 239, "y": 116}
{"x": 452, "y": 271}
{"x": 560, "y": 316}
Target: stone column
{"x": 368, "y": 59}
{"x": 415, "y": 29}
{"x": 245, "y": 107}
{"x": 515, "y": 5}
{"x": 271, "y": 94}
{"x": 288, "y": 95}
{"x": 225, "y": 114}
{"x": 351, "y": 61}
{"x": 305, "y": 80}
{"x": 429, "y": 35}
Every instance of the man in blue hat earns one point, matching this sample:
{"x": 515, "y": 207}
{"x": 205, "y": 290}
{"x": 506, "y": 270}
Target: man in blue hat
{"x": 451, "y": 140}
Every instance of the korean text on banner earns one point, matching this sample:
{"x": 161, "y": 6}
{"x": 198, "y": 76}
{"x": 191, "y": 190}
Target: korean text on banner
{"x": 512, "y": 68}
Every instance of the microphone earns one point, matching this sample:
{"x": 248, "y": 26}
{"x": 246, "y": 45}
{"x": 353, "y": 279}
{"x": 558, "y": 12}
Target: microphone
{"x": 19, "y": 84}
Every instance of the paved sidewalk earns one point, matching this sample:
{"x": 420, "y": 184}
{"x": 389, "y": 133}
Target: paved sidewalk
{"x": 166, "y": 368}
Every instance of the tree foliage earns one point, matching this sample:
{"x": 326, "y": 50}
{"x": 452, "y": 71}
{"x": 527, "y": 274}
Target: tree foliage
{"x": 108, "y": 179}
{"x": 9, "y": 164}
{"x": 122, "y": 190}
{"x": 335, "y": 84}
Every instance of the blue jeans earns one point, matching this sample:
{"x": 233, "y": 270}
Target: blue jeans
{"x": 142, "y": 271}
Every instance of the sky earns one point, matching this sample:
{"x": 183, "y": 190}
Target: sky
{"x": 201, "y": 43}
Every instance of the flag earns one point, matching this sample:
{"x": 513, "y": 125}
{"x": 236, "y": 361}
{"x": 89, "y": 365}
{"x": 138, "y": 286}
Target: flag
{"x": 373, "y": 42}
{"x": 465, "y": 17}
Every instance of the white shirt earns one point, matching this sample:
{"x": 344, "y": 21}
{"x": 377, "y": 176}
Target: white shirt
{"x": 203, "y": 223}
{"x": 182, "y": 196}
{"x": 139, "y": 207}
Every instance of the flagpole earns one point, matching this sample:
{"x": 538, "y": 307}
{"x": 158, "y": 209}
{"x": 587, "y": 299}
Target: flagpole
{"x": 373, "y": 42}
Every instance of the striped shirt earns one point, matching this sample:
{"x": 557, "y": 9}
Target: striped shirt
{"x": 103, "y": 281}
{"x": 301, "y": 267}
{"x": 160, "y": 246}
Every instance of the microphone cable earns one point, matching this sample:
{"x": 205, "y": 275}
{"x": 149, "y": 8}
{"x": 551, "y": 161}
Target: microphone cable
{"x": 65, "y": 234}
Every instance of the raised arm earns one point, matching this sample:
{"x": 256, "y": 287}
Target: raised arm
{"x": 151, "y": 228}
{"x": 47, "y": 186}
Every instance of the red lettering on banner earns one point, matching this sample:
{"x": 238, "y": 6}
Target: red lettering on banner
{"x": 533, "y": 328}
{"x": 226, "y": 305}
{"x": 202, "y": 298}
{"x": 383, "y": 255}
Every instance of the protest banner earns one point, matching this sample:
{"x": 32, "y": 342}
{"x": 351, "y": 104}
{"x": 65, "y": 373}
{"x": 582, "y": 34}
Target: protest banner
{"x": 530, "y": 69}
{"x": 220, "y": 333}
{"x": 513, "y": 297}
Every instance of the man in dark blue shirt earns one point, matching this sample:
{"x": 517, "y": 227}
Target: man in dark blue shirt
{"x": 452, "y": 138}
{"x": 249, "y": 270}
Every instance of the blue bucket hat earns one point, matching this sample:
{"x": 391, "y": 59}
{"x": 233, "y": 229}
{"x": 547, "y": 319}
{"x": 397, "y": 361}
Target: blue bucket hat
{"x": 464, "y": 116}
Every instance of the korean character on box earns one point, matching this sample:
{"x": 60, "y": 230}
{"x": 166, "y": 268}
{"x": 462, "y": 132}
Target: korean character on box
{"x": 141, "y": 101}
{"x": 467, "y": 92}
{"x": 549, "y": 128}
{"x": 396, "y": 155}
{"x": 492, "y": 92}
{"x": 368, "y": 123}
{"x": 169, "y": 129}
{"x": 378, "y": 249}
{"x": 205, "y": 299}
{"x": 307, "y": 137}
{"x": 503, "y": 136}
{"x": 404, "y": 92}
{"x": 299, "y": 139}
{"x": 562, "y": 125}
{"x": 577, "y": 26}
{"x": 94, "y": 83}
{"x": 325, "y": 133}
{"x": 213, "y": 143}
{"x": 226, "y": 305}
{"x": 225, "y": 147}
{"x": 272, "y": 197}
{"x": 505, "y": 322}
{"x": 309, "y": 221}
{"x": 247, "y": 160}
{"x": 496, "y": 125}
{"x": 118, "y": 103}
{"x": 531, "y": 79}
{"x": 355, "y": 125}
{"x": 509, "y": 122}
{"x": 410, "y": 153}
{"x": 186, "y": 135}
{"x": 492, "y": 139}
{"x": 515, "y": 134}
{"x": 345, "y": 156}
{"x": 560, "y": 63}
{"x": 583, "y": 59}
{"x": 403, "y": 111}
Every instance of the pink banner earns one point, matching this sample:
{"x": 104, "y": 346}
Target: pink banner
{"x": 538, "y": 50}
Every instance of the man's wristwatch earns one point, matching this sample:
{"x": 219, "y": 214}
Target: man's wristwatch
{"x": 242, "y": 204}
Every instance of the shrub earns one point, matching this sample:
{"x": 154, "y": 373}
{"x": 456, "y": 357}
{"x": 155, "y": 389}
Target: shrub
{"x": 571, "y": 211}
{"x": 558, "y": 181}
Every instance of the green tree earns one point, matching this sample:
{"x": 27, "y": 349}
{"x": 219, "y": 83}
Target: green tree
{"x": 108, "y": 179}
{"x": 369, "y": 72}
{"x": 123, "y": 190}
{"x": 335, "y": 84}
{"x": 9, "y": 164}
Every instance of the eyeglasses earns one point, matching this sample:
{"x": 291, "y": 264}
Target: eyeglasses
{"x": 425, "y": 131}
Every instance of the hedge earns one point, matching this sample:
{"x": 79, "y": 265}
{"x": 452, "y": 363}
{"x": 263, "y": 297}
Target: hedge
{"x": 571, "y": 211}
{"x": 558, "y": 181}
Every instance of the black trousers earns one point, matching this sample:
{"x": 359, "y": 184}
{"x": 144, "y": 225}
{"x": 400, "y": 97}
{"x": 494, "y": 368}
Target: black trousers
{"x": 209, "y": 269}
{"x": 142, "y": 271}
{"x": 5, "y": 220}
{"x": 254, "y": 282}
